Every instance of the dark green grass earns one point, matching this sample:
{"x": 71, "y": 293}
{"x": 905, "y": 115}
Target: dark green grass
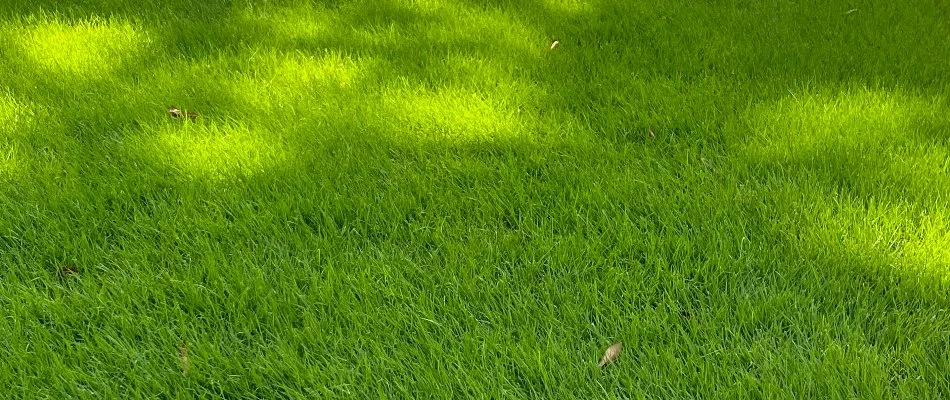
{"x": 422, "y": 199}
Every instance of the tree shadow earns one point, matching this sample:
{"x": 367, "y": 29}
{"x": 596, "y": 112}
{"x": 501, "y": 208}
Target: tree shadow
{"x": 382, "y": 119}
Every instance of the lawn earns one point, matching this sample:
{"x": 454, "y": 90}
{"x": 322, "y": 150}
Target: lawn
{"x": 431, "y": 199}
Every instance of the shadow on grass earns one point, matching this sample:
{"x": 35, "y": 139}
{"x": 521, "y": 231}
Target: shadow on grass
{"x": 422, "y": 149}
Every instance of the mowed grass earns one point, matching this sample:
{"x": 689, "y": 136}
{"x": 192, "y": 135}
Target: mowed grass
{"x": 423, "y": 199}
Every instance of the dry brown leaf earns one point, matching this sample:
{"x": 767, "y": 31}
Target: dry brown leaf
{"x": 650, "y": 132}
{"x": 611, "y": 354}
{"x": 174, "y": 112}
{"x": 183, "y": 357}
{"x": 67, "y": 270}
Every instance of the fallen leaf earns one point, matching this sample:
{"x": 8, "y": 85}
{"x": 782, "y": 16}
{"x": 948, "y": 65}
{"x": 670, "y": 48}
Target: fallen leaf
{"x": 67, "y": 270}
{"x": 554, "y": 44}
{"x": 183, "y": 357}
{"x": 193, "y": 116}
{"x": 650, "y": 132}
{"x": 174, "y": 112}
{"x": 611, "y": 354}
{"x": 708, "y": 164}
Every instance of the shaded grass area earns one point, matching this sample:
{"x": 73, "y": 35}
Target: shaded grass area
{"x": 421, "y": 198}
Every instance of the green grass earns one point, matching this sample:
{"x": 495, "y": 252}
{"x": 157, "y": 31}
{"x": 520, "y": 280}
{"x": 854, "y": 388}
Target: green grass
{"x": 422, "y": 199}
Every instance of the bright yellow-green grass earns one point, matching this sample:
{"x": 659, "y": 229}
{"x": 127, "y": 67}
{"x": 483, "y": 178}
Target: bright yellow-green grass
{"x": 427, "y": 199}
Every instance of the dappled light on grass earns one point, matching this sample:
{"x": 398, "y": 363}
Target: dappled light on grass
{"x": 853, "y": 121}
{"x": 15, "y": 118}
{"x": 209, "y": 150}
{"x": 8, "y": 159}
{"x": 867, "y": 168}
{"x": 570, "y": 6}
{"x": 329, "y": 69}
{"x": 299, "y": 23}
{"x": 492, "y": 30}
{"x": 355, "y": 69}
{"x": 878, "y": 141}
{"x": 392, "y": 29}
{"x": 451, "y": 115}
{"x": 295, "y": 83}
{"x": 87, "y": 49}
{"x": 426, "y": 193}
{"x": 910, "y": 244}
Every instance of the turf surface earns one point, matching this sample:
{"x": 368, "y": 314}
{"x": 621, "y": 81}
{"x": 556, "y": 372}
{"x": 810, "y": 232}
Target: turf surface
{"x": 424, "y": 199}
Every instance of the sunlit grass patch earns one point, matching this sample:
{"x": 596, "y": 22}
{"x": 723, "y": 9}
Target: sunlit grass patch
{"x": 87, "y": 49}
{"x": 907, "y": 241}
{"x": 485, "y": 75}
{"x": 452, "y": 115}
{"x": 210, "y": 150}
{"x": 868, "y": 140}
{"x": 278, "y": 80}
{"x": 851, "y": 121}
{"x": 871, "y": 168}
{"x": 570, "y": 6}
{"x": 300, "y": 22}
{"x": 492, "y": 29}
